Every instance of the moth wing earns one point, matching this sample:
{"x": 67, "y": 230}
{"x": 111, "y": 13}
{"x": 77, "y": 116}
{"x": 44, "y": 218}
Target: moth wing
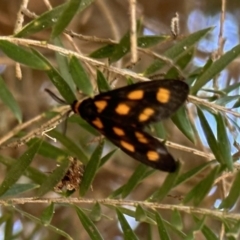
{"x": 141, "y": 146}
{"x": 142, "y": 103}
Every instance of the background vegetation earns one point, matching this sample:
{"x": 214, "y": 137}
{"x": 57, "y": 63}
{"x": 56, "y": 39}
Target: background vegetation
{"x": 77, "y": 48}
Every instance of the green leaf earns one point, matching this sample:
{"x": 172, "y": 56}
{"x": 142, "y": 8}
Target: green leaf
{"x": 141, "y": 214}
{"x": 91, "y": 169}
{"x": 23, "y": 56}
{"x": 192, "y": 172}
{"x": 103, "y": 52}
{"x": 38, "y": 221}
{"x": 47, "y": 214}
{"x": 80, "y": 77}
{"x": 127, "y": 231}
{"x": 17, "y": 169}
{"x": 62, "y": 64}
{"x": 182, "y": 63}
{"x": 202, "y": 188}
{"x": 216, "y": 68}
{"x": 166, "y": 187}
{"x": 19, "y": 188}
{"x": 57, "y": 80}
{"x": 208, "y": 233}
{"x": 44, "y": 21}
{"x": 65, "y": 18}
{"x": 8, "y": 233}
{"x": 121, "y": 49}
{"x": 233, "y": 195}
{"x": 212, "y": 142}
{"x": 163, "y": 234}
{"x": 141, "y": 172}
{"x": 223, "y": 142}
{"x": 86, "y": 126}
{"x": 107, "y": 157}
{"x": 181, "y": 120}
{"x": 176, "y": 219}
{"x": 50, "y": 151}
{"x": 96, "y": 212}
{"x": 178, "y": 49}
{"x": 55, "y": 177}
{"x": 88, "y": 225}
{"x": 149, "y": 41}
{"x": 8, "y": 99}
{"x": 70, "y": 145}
{"x": 102, "y": 83}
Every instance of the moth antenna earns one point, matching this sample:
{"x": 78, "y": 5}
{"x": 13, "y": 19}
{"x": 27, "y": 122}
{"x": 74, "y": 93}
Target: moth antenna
{"x": 61, "y": 101}
{"x": 55, "y": 97}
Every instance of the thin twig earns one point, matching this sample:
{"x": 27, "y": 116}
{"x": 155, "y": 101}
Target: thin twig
{"x": 118, "y": 202}
{"x": 133, "y": 31}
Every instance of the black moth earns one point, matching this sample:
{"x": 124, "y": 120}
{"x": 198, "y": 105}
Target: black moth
{"x": 122, "y": 114}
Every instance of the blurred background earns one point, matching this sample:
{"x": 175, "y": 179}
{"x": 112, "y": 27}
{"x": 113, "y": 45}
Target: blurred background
{"x": 109, "y": 19}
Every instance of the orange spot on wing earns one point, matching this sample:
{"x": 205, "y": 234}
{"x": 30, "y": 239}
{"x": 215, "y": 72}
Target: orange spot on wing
{"x": 122, "y": 109}
{"x": 127, "y": 146}
{"x": 135, "y": 95}
{"x": 101, "y": 105}
{"x": 163, "y": 95}
{"x": 153, "y": 156}
{"x": 97, "y": 123}
{"x": 118, "y": 131}
{"x": 140, "y": 137}
{"x": 146, "y": 114}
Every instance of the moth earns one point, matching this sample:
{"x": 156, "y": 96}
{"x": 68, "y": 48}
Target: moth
{"x": 122, "y": 114}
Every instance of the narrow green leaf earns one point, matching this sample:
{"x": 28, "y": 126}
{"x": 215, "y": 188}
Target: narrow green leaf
{"x": 223, "y": 142}
{"x": 88, "y": 225}
{"x": 8, "y": 233}
{"x": 17, "y": 170}
{"x": 224, "y": 100}
{"x": 50, "y": 151}
{"x": 181, "y": 120}
{"x": 70, "y": 145}
{"x": 8, "y": 99}
{"x": 208, "y": 233}
{"x": 86, "y": 126}
{"x": 216, "y": 68}
{"x": 23, "y": 56}
{"x": 233, "y": 195}
{"x": 91, "y": 169}
{"x": 127, "y": 231}
{"x": 18, "y": 188}
{"x": 212, "y": 142}
{"x": 65, "y": 18}
{"x": 176, "y": 219}
{"x": 55, "y": 177}
{"x": 47, "y": 214}
{"x": 149, "y": 41}
{"x": 163, "y": 234}
{"x": 57, "y": 80}
{"x": 202, "y": 188}
{"x": 166, "y": 187}
{"x": 102, "y": 83}
{"x": 80, "y": 76}
{"x": 44, "y": 21}
{"x": 191, "y": 173}
{"x": 231, "y": 87}
{"x": 62, "y": 64}
{"x": 96, "y": 213}
{"x": 182, "y": 62}
{"x": 107, "y": 157}
{"x": 103, "y": 52}
{"x": 141, "y": 214}
{"x": 175, "y": 51}
{"x": 38, "y": 221}
{"x": 135, "y": 179}
{"x": 121, "y": 49}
